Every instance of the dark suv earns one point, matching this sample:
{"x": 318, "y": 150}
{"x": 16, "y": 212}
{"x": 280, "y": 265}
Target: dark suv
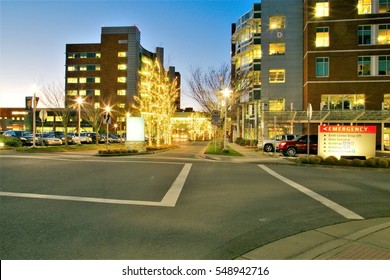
{"x": 299, "y": 145}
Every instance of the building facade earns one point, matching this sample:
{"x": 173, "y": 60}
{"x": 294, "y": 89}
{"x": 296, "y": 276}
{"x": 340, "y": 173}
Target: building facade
{"x": 107, "y": 73}
{"x": 269, "y": 39}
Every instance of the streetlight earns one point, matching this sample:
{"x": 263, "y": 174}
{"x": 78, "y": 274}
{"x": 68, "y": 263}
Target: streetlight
{"x": 79, "y": 102}
{"x": 226, "y": 93}
{"x": 34, "y": 105}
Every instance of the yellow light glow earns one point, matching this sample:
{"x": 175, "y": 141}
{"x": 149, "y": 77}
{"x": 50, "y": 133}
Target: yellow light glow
{"x": 107, "y": 109}
{"x": 79, "y": 100}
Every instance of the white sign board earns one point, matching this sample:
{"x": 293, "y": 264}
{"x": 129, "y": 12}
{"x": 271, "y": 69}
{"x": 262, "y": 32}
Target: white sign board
{"x": 339, "y": 140}
{"x": 135, "y": 129}
{"x": 216, "y": 117}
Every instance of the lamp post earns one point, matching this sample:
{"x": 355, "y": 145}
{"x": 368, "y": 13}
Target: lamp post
{"x": 34, "y": 118}
{"x": 226, "y": 93}
{"x": 79, "y": 102}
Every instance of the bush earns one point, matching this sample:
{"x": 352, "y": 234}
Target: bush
{"x": 240, "y": 141}
{"x": 358, "y": 162}
{"x": 10, "y": 142}
{"x": 316, "y": 159}
{"x": 383, "y": 163}
{"x": 331, "y": 160}
{"x": 371, "y": 162}
{"x": 303, "y": 159}
{"x": 345, "y": 162}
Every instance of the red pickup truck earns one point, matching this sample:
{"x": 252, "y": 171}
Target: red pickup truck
{"x": 299, "y": 145}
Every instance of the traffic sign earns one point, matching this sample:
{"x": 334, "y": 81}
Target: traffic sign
{"x": 107, "y": 118}
{"x": 216, "y": 117}
{"x": 43, "y": 115}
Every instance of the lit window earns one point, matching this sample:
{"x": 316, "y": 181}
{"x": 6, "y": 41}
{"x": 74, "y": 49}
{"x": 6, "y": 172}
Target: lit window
{"x": 97, "y": 105}
{"x": 277, "y": 22}
{"x": 121, "y": 105}
{"x": 97, "y": 92}
{"x": 71, "y": 92}
{"x": 122, "y": 67}
{"x": 82, "y": 92}
{"x": 343, "y": 101}
{"x": 72, "y": 80}
{"x": 276, "y": 104}
{"x": 322, "y": 67}
{"x": 364, "y": 35}
{"x": 364, "y": 7}
{"x": 277, "y": 75}
{"x": 322, "y": 37}
{"x": 364, "y": 65}
{"x": 121, "y": 79}
{"x": 384, "y": 6}
{"x": 121, "y": 92}
{"x": 257, "y": 52}
{"x": 384, "y": 34}
{"x": 322, "y": 8}
{"x": 384, "y": 65}
{"x": 277, "y": 48}
{"x": 122, "y": 54}
{"x": 72, "y": 68}
{"x": 82, "y": 80}
{"x": 386, "y": 101}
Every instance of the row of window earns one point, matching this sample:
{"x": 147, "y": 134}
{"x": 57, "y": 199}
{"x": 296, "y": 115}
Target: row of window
{"x": 90, "y": 67}
{"x": 83, "y": 80}
{"x": 92, "y": 92}
{"x": 367, "y": 35}
{"x": 367, "y": 66}
{"x": 75, "y": 55}
{"x": 363, "y": 7}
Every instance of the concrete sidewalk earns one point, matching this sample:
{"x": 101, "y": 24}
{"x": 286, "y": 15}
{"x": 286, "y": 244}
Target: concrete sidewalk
{"x": 355, "y": 240}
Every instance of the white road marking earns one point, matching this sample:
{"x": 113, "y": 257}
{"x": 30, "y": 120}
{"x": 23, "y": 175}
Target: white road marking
{"x": 327, "y": 202}
{"x": 169, "y": 199}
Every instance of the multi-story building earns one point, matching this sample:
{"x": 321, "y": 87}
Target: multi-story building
{"x": 347, "y": 58}
{"x": 267, "y": 45}
{"x": 107, "y": 73}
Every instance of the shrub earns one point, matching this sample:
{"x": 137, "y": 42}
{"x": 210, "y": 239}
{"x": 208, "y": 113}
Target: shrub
{"x": 315, "y": 159}
{"x": 345, "y": 162}
{"x": 331, "y": 160}
{"x": 302, "y": 159}
{"x": 371, "y": 162}
{"x": 383, "y": 163}
{"x": 358, "y": 162}
{"x": 10, "y": 142}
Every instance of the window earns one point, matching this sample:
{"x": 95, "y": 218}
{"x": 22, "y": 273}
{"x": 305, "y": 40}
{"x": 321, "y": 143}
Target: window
{"x": 121, "y": 79}
{"x": 384, "y": 6}
{"x": 121, "y": 105}
{"x": 97, "y": 92}
{"x": 122, "y": 67}
{"x": 121, "y": 92}
{"x": 72, "y": 68}
{"x": 82, "y": 92}
{"x": 343, "y": 101}
{"x": 82, "y": 80}
{"x": 256, "y": 52}
{"x": 322, "y": 37}
{"x": 122, "y": 54}
{"x": 71, "y": 80}
{"x": 277, "y": 22}
{"x": 277, "y": 75}
{"x": 386, "y": 101}
{"x": 83, "y": 55}
{"x": 364, "y": 7}
{"x": 322, "y": 8}
{"x": 384, "y": 34}
{"x": 276, "y": 104}
{"x": 364, "y": 34}
{"x": 97, "y": 105}
{"x": 277, "y": 48}
{"x": 384, "y": 65}
{"x": 71, "y": 92}
{"x": 322, "y": 67}
{"x": 364, "y": 65}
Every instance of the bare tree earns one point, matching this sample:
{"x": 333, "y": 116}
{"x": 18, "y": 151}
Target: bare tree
{"x": 93, "y": 116}
{"x": 53, "y": 97}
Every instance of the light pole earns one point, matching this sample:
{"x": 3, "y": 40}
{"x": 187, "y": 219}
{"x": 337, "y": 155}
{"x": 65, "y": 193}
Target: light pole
{"x": 34, "y": 118}
{"x": 226, "y": 93}
{"x": 79, "y": 102}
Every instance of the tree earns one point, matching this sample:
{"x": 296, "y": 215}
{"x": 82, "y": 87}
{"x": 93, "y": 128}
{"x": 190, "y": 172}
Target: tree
{"x": 156, "y": 101}
{"x": 93, "y": 116}
{"x": 53, "y": 97}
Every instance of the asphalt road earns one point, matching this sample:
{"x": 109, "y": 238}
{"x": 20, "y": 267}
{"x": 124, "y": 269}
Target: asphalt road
{"x": 170, "y": 205}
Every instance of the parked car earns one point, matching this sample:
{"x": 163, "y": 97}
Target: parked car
{"x": 268, "y": 144}
{"x": 72, "y": 138}
{"x": 46, "y": 139}
{"x": 25, "y": 136}
{"x": 84, "y": 138}
{"x": 299, "y": 145}
{"x": 94, "y": 135}
{"x": 114, "y": 138}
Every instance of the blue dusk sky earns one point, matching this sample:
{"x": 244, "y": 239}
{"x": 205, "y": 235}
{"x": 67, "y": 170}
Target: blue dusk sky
{"x": 33, "y": 35}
